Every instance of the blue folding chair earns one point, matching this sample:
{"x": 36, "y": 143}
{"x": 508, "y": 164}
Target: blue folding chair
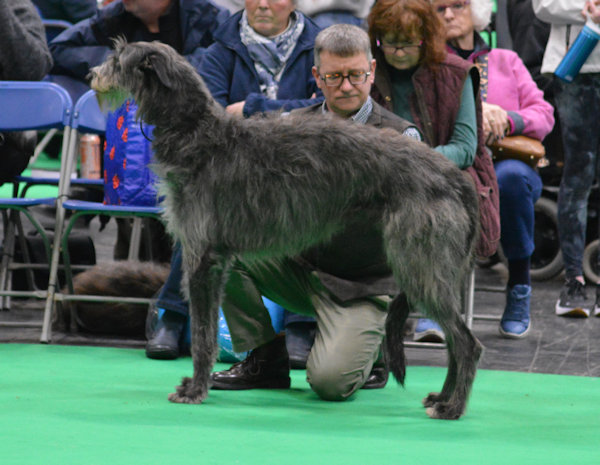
{"x": 87, "y": 118}
{"x": 28, "y": 106}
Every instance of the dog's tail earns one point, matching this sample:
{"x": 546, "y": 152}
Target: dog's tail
{"x": 398, "y": 311}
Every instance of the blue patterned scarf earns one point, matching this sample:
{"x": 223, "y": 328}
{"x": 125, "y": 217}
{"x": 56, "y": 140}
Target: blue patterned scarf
{"x": 270, "y": 55}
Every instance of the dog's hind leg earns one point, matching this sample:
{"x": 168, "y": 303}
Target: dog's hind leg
{"x": 464, "y": 351}
{"x": 430, "y": 265}
{"x": 206, "y": 284}
{"x": 449, "y": 383}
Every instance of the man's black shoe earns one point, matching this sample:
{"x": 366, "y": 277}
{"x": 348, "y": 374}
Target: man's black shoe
{"x": 266, "y": 367}
{"x": 377, "y": 379}
{"x": 164, "y": 344}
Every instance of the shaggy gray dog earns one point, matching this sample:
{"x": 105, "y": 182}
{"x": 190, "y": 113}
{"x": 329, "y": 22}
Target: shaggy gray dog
{"x": 272, "y": 187}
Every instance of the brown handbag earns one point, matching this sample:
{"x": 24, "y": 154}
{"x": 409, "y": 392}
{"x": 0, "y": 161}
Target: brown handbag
{"x": 526, "y": 149}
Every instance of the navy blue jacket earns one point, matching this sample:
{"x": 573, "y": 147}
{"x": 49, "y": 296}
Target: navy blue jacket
{"x": 88, "y": 43}
{"x": 72, "y": 11}
{"x": 229, "y": 72}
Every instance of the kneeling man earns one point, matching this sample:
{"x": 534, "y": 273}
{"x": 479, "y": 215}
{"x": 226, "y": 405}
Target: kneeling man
{"x": 345, "y": 284}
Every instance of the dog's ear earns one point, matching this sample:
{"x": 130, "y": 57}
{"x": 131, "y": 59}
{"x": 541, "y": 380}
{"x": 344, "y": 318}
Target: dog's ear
{"x": 154, "y": 63}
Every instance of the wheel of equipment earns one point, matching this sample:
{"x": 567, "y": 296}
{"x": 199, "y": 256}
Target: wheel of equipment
{"x": 590, "y": 262}
{"x": 547, "y": 260}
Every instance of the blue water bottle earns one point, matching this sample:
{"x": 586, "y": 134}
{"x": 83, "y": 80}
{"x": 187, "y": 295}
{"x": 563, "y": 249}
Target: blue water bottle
{"x": 579, "y": 52}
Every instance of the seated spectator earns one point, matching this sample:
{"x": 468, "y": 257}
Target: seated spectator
{"x": 261, "y": 60}
{"x": 329, "y": 281}
{"x": 419, "y": 81}
{"x": 24, "y": 56}
{"x": 512, "y": 104}
{"x": 71, "y": 11}
{"x": 323, "y": 12}
{"x": 187, "y": 26}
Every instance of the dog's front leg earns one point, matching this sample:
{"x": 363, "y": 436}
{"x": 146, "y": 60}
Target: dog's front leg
{"x": 205, "y": 289}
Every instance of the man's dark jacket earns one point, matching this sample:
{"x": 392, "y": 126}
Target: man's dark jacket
{"x": 353, "y": 264}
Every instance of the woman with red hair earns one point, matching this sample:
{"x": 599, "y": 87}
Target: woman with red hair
{"x": 418, "y": 80}
{"x": 512, "y": 104}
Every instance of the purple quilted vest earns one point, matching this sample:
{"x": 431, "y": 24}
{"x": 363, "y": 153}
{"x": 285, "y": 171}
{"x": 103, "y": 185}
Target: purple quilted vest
{"x": 434, "y": 107}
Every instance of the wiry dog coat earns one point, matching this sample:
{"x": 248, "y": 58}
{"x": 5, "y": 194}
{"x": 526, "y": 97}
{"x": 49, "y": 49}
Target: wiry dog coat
{"x": 272, "y": 187}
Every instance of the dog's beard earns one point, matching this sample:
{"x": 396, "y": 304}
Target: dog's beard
{"x": 111, "y": 99}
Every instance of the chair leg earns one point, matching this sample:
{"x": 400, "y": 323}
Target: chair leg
{"x": 42, "y": 144}
{"x": 147, "y": 238}
{"x": 8, "y": 249}
{"x": 136, "y": 235}
{"x": 52, "y": 276}
{"x": 469, "y": 298}
{"x": 69, "y": 144}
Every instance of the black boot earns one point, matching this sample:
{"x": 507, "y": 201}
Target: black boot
{"x": 377, "y": 379}
{"x": 266, "y": 367}
{"x": 164, "y": 344}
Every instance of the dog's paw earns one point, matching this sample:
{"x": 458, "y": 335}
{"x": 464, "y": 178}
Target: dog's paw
{"x": 188, "y": 393}
{"x": 179, "y": 399}
{"x": 432, "y": 399}
{"x": 445, "y": 411}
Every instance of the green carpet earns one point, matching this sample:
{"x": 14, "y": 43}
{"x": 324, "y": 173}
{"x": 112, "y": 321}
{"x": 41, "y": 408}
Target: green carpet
{"x": 94, "y": 406}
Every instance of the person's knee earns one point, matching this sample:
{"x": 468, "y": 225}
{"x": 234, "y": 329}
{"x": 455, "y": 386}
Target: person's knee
{"x": 512, "y": 177}
{"x": 332, "y": 382}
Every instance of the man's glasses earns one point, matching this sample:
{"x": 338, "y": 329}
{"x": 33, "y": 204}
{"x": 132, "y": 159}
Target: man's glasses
{"x": 356, "y": 78}
{"x": 456, "y": 7}
{"x": 405, "y": 48}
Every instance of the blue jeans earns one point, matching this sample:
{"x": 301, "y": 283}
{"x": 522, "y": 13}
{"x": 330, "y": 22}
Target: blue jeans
{"x": 170, "y": 297}
{"x": 520, "y": 187}
{"x": 577, "y": 104}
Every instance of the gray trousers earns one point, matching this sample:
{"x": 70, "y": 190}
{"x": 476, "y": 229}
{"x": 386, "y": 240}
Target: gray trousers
{"x": 577, "y": 103}
{"x": 348, "y": 336}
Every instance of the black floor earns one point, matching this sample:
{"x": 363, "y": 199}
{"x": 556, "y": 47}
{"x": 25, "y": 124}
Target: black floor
{"x": 554, "y": 344}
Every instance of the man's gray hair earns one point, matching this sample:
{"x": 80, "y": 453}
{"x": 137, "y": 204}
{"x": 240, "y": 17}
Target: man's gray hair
{"x": 343, "y": 40}
{"x": 481, "y": 13}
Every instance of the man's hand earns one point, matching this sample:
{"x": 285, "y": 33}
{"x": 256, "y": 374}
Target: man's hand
{"x": 236, "y": 108}
{"x": 495, "y": 122}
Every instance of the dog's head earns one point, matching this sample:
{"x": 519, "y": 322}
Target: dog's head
{"x": 143, "y": 70}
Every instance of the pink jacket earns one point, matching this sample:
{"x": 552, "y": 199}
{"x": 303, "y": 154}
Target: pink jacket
{"x": 511, "y": 86}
